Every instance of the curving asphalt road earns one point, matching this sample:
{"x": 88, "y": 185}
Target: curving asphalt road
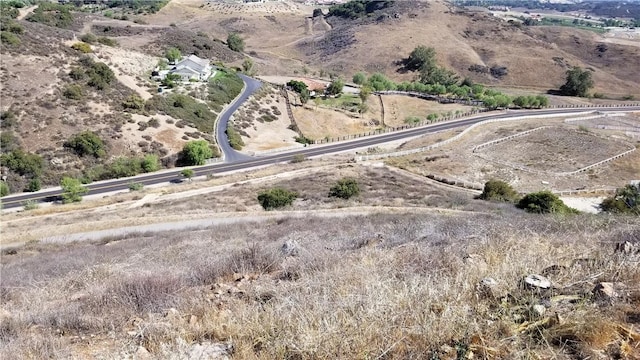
{"x": 236, "y": 161}
{"x": 228, "y": 153}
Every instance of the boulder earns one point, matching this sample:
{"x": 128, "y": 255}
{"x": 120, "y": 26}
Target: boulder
{"x": 605, "y": 291}
{"x": 290, "y": 248}
{"x": 142, "y": 354}
{"x": 535, "y": 281}
{"x": 207, "y": 350}
{"x": 489, "y": 288}
{"x": 538, "y": 310}
{"x": 626, "y": 248}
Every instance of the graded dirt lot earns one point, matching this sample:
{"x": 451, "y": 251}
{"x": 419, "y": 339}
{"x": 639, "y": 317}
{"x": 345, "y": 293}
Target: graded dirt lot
{"x": 554, "y": 150}
{"x": 456, "y": 160}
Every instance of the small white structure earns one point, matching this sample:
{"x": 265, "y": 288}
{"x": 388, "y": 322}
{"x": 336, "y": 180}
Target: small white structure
{"x": 191, "y": 68}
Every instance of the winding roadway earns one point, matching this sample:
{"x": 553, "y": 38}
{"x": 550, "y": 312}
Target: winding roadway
{"x": 237, "y": 161}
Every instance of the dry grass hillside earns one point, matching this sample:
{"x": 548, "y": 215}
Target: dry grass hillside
{"x": 428, "y": 285}
{"x": 283, "y": 38}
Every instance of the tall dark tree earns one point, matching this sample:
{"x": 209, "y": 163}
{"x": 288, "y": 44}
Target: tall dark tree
{"x": 578, "y": 83}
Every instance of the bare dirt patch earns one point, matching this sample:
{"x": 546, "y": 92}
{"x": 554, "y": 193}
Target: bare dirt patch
{"x": 263, "y": 122}
{"x": 398, "y": 108}
{"x": 321, "y": 121}
{"x": 131, "y": 68}
{"x": 455, "y": 161}
{"x": 554, "y": 149}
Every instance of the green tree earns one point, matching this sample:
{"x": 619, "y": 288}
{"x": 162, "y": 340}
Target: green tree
{"x": 625, "y": 201}
{"x": 235, "y": 42}
{"x": 364, "y": 94}
{"x": 335, "y": 87}
{"x": 150, "y": 163}
{"x": 86, "y": 143}
{"x": 33, "y": 185}
{"x": 247, "y": 65}
{"x": 345, "y": 188}
{"x": 498, "y": 190}
{"x": 544, "y": 202}
{"x": 196, "y": 152}
{"x": 420, "y": 58}
{"x": 578, "y": 82}
{"x": 188, "y": 173}
{"x": 276, "y": 198}
{"x": 4, "y": 189}
{"x": 359, "y": 78}
{"x": 173, "y": 54}
{"x": 72, "y": 190}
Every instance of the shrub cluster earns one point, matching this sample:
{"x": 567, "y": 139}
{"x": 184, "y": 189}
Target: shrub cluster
{"x": 183, "y": 107}
{"x": 497, "y": 190}
{"x": 544, "y": 202}
{"x": 86, "y": 143}
{"x": 276, "y": 198}
{"x": 345, "y": 188}
{"x": 358, "y": 8}
{"x": 52, "y": 14}
{"x": 625, "y": 201}
{"x": 235, "y": 140}
{"x": 122, "y": 167}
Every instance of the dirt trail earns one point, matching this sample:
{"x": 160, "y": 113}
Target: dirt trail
{"x": 26, "y": 11}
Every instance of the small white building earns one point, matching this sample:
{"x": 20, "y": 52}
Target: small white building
{"x": 189, "y": 69}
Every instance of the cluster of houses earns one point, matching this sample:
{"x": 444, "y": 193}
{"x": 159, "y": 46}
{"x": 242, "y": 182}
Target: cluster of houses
{"x": 191, "y": 68}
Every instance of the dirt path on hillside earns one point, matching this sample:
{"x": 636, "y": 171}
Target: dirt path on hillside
{"x": 26, "y": 11}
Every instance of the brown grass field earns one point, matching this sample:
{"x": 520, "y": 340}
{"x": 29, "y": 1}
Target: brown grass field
{"x": 397, "y": 286}
{"x": 408, "y": 269}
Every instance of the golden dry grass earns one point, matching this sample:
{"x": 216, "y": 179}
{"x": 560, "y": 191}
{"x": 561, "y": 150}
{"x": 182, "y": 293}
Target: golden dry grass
{"x": 396, "y": 286}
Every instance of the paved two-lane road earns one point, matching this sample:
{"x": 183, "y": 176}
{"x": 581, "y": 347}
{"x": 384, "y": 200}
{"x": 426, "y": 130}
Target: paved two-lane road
{"x": 231, "y": 155}
{"x": 243, "y": 162}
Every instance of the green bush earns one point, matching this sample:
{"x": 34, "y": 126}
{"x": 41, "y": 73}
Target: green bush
{"x": 86, "y": 143}
{"x": 30, "y": 205}
{"x": 8, "y": 141}
{"x": 73, "y": 92}
{"x": 89, "y": 38}
{"x": 345, "y": 188}
{"x": 497, "y": 190}
{"x": 7, "y": 38}
{"x": 235, "y": 140}
{"x": 134, "y": 186}
{"x": 196, "y": 152}
{"x": 34, "y": 185}
{"x": 52, "y": 14}
{"x": 133, "y": 102}
{"x": 23, "y": 163}
{"x": 107, "y": 41}
{"x": 235, "y": 42}
{"x": 183, "y": 107}
{"x": 150, "y": 163}
{"x": 173, "y": 54}
{"x": 11, "y": 26}
{"x": 82, "y": 47}
{"x": 4, "y": 189}
{"x": 358, "y": 8}
{"x": 276, "y": 198}
{"x": 99, "y": 74}
{"x": 8, "y": 119}
{"x": 625, "y": 201}
{"x": 72, "y": 190}
{"x": 544, "y": 202}
{"x": 188, "y": 173}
